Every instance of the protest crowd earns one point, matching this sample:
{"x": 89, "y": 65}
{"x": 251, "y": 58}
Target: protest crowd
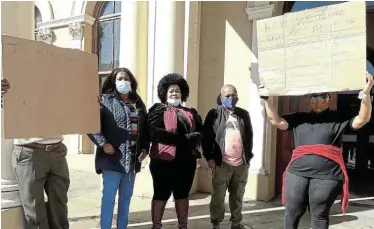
{"x": 171, "y": 135}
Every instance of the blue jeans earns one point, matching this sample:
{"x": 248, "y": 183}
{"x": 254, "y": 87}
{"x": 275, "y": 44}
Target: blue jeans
{"x": 124, "y": 183}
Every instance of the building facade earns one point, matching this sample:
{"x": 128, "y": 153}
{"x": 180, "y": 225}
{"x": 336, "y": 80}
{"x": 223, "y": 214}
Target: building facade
{"x": 210, "y": 43}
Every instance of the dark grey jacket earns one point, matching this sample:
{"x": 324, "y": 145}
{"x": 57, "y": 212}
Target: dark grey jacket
{"x": 113, "y": 119}
{"x": 215, "y": 131}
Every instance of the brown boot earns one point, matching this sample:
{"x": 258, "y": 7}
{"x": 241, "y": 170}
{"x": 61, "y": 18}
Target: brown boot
{"x": 181, "y": 207}
{"x": 157, "y": 211}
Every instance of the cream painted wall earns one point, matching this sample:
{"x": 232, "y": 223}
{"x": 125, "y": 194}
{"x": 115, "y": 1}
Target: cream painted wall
{"x": 62, "y": 37}
{"x": 225, "y": 52}
{"x": 16, "y": 20}
{"x": 142, "y": 49}
{"x": 87, "y": 38}
{"x": 61, "y": 9}
{"x": 225, "y": 58}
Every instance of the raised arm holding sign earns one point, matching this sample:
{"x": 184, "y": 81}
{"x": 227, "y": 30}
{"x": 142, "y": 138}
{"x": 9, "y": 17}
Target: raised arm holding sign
{"x": 317, "y": 162}
{"x": 315, "y": 52}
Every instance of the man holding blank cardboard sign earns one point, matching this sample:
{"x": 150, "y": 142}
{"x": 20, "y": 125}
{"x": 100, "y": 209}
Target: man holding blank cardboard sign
{"x": 40, "y": 165}
{"x": 45, "y": 102}
{"x": 316, "y": 174}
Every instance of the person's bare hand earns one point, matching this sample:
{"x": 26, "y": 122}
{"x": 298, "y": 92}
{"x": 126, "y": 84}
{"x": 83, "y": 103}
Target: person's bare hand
{"x": 369, "y": 83}
{"x": 108, "y": 149}
{"x": 142, "y": 155}
{"x": 211, "y": 164}
{"x": 4, "y": 85}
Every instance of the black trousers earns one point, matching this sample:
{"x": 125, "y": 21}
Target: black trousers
{"x": 318, "y": 194}
{"x": 172, "y": 177}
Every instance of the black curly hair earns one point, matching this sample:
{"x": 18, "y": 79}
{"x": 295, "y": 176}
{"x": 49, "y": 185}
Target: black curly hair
{"x": 172, "y": 79}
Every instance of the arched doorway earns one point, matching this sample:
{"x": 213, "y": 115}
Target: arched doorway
{"x": 361, "y": 145}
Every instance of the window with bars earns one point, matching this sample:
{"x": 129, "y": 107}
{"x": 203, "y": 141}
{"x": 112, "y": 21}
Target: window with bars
{"x": 108, "y": 27}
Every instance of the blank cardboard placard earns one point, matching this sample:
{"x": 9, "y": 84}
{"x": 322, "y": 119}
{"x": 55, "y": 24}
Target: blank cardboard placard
{"x": 317, "y": 50}
{"x": 54, "y": 91}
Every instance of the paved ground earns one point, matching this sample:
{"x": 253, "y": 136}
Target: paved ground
{"x": 84, "y": 207}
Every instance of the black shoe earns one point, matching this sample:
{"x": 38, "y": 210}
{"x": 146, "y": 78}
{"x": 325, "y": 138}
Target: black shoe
{"x": 215, "y": 226}
{"x": 239, "y": 226}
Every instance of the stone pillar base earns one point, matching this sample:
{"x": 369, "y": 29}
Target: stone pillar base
{"x": 205, "y": 180}
{"x": 259, "y": 187}
{"x": 86, "y": 145}
{"x": 12, "y": 218}
{"x": 143, "y": 184}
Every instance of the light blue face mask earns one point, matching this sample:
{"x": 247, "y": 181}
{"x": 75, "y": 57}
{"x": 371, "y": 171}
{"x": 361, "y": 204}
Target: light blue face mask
{"x": 123, "y": 87}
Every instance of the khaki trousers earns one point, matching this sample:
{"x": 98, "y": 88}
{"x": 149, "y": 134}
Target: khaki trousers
{"x": 233, "y": 179}
{"x": 37, "y": 171}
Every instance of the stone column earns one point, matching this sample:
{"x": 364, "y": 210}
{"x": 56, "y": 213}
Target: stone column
{"x": 256, "y": 105}
{"x": 17, "y": 19}
{"x": 261, "y": 128}
{"x": 129, "y": 36}
{"x": 192, "y": 50}
{"x": 165, "y": 55}
{"x": 168, "y": 42}
{"x": 191, "y": 73}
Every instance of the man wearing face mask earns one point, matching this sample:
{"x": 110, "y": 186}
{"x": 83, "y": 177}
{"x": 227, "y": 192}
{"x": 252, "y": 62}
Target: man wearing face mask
{"x": 316, "y": 174}
{"x": 227, "y": 147}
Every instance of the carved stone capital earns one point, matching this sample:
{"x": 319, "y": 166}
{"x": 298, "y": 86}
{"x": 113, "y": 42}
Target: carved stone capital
{"x": 45, "y": 35}
{"x": 257, "y": 10}
{"x": 76, "y": 30}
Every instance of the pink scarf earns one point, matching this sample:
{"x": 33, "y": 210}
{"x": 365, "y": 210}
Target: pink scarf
{"x": 167, "y": 152}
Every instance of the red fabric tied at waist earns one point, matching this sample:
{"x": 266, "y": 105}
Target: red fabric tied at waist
{"x": 331, "y": 152}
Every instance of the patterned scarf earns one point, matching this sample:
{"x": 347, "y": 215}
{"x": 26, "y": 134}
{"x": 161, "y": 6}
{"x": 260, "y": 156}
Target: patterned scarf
{"x": 125, "y": 148}
{"x": 171, "y": 123}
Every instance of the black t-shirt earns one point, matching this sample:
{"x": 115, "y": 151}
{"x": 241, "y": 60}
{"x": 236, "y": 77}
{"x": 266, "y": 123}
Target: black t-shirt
{"x": 310, "y": 128}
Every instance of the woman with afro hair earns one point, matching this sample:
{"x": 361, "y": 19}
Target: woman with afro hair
{"x": 176, "y": 132}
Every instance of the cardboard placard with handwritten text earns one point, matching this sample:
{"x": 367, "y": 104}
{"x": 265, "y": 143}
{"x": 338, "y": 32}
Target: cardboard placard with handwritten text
{"x": 54, "y": 91}
{"x": 317, "y": 50}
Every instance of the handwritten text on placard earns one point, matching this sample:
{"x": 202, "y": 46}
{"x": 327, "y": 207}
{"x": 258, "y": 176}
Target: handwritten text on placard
{"x": 316, "y": 50}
